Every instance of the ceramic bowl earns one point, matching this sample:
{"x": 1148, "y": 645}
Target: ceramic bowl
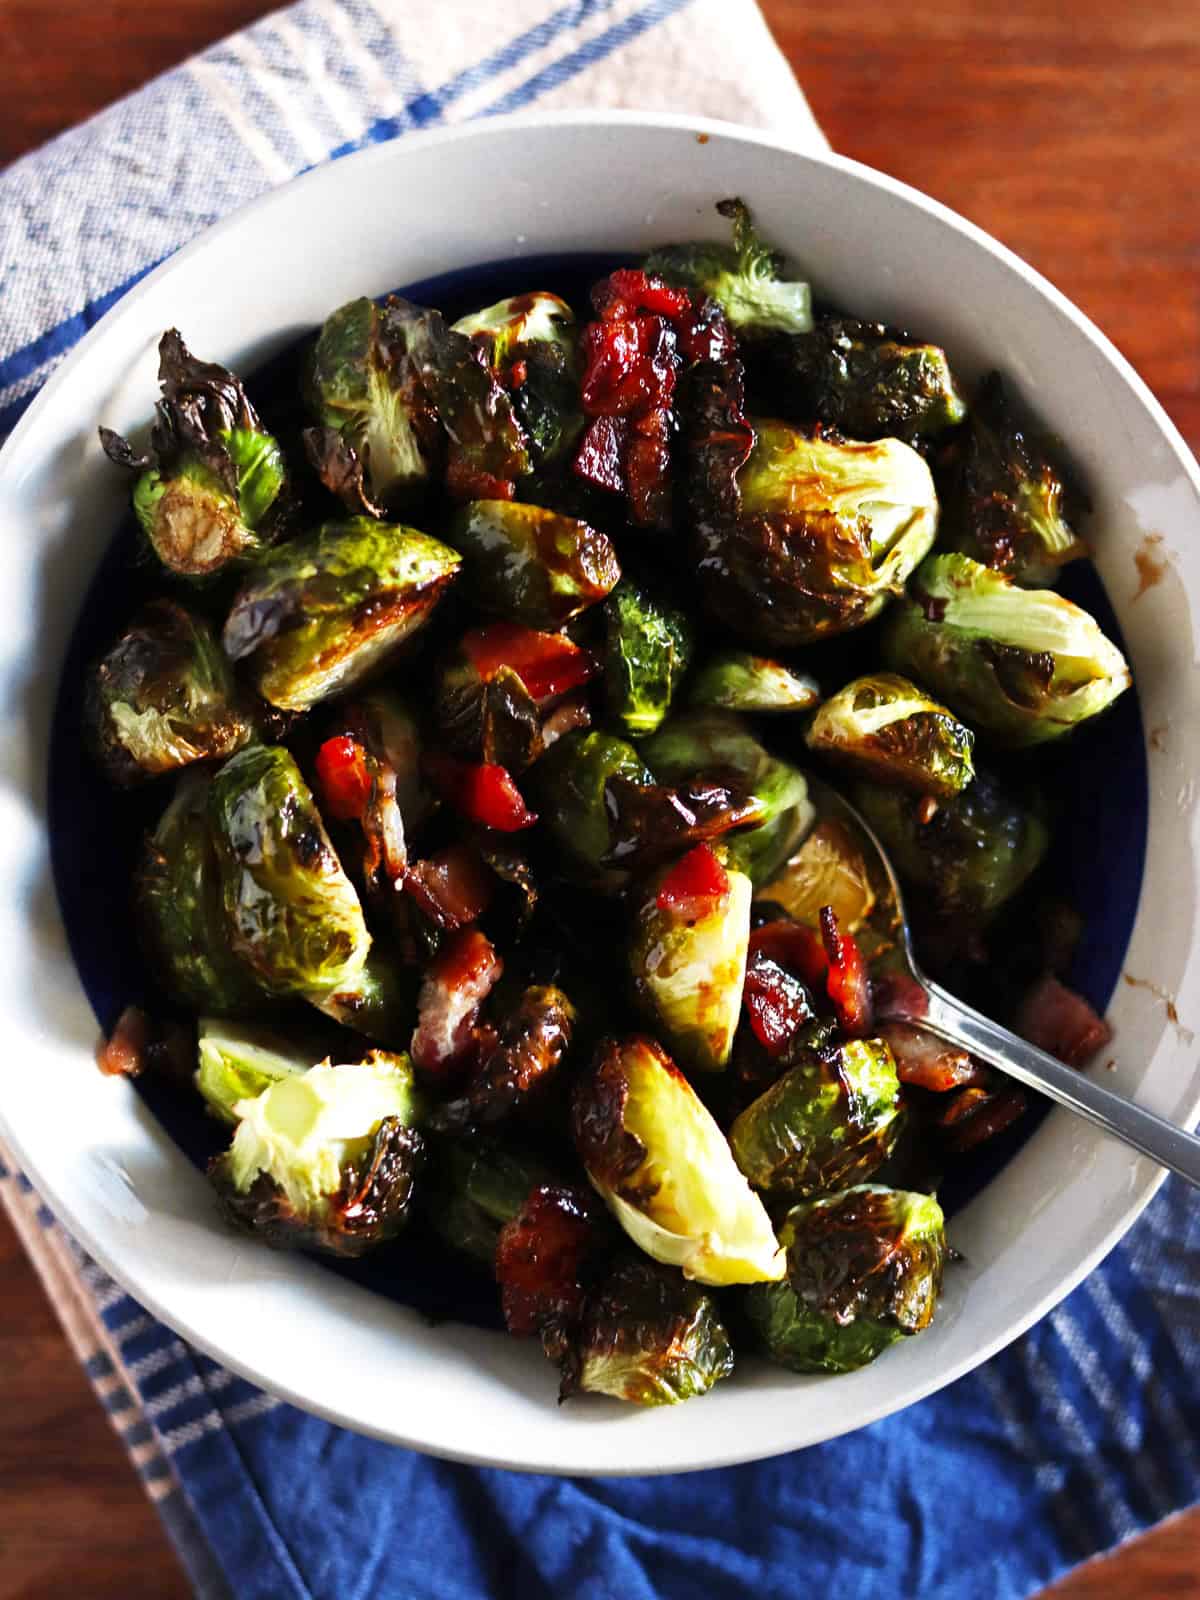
{"x": 431, "y": 204}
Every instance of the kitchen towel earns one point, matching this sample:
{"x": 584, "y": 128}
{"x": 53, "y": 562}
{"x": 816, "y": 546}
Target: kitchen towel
{"x": 1080, "y": 1434}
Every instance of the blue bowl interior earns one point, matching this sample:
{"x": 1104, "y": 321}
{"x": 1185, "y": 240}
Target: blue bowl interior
{"x": 1099, "y": 783}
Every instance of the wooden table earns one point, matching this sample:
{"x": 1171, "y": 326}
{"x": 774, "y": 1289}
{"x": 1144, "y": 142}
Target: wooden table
{"x": 1068, "y": 128}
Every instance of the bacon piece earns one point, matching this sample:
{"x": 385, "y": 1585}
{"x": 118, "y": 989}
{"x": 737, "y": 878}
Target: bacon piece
{"x": 648, "y": 821}
{"x": 847, "y": 983}
{"x": 541, "y": 1257}
{"x": 452, "y": 991}
{"x": 974, "y": 1115}
{"x": 123, "y": 1054}
{"x": 527, "y": 1052}
{"x": 1061, "y": 1022}
{"x": 694, "y": 886}
{"x": 548, "y": 664}
{"x": 481, "y": 791}
{"x": 452, "y": 887}
{"x": 927, "y": 1062}
{"x": 776, "y": 1002}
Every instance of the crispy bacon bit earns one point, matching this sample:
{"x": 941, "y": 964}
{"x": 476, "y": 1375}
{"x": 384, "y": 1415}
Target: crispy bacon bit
{"x": 548, "y": 664}
{"x": 646, "y": 334}
{"x": 123, "y": 1054}
{"x": 1061, "y": 1022}
{"x": 452, "y": 991}
{"x": 847, "y": 984}
{"x": 343, "y": 778}
{"x": 776, "y": 1002}
{"x": 896, "y": 994}
{"x": 974, "y": 1115}
{"x": 927, "y": 1062}
{"x": 541, "y": 1259}
{"x": 565, "y": 718}
{"x": 481, "y": 791}
{"x": 648, "y": 821}
{"x": 452, "y": 887}
{"x": 695, "y": 885}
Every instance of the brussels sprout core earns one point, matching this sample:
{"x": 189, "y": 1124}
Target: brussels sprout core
{"x": 653, "y": 1151}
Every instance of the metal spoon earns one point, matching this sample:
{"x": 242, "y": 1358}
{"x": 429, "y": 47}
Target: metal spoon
{"x": 961, "y": 1025}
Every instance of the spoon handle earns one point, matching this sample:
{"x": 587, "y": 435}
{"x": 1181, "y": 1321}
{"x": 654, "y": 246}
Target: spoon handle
{"x": 1162, "y": 1141}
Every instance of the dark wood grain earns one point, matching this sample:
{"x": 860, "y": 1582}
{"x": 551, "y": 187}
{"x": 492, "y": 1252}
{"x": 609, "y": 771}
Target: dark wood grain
{"x": 1068, "y": 130}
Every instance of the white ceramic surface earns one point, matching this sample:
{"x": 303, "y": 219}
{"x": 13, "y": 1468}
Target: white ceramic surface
{"x": 395, "y": 214}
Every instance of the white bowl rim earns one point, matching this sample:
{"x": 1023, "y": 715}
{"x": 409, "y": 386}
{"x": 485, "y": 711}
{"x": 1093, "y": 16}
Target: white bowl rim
{"x": 125, "y": 1268}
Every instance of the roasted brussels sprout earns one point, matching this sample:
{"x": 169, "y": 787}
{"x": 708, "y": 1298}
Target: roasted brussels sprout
{"x": 325, "y": 1159}
{"x": 181, "y": 911}
{"x": 687, "y": 954}
{"x": 572, "y": 784}
{"x": 476, "y": 1189}
{"x": 884, "y": 727}
{"x": 1010, "y": 511}
{"x": 743, "y": 278}
{"x": 713, "y": 743}
{"x": 971, "y": 856}
{"x": 290, "y": 911}
{"x": 377, "y": 438}
{"x": 829, "y": 869}
{"x": 239, "y": 1061}
{"x": 647, "y": 1336}
{"x": 162, "y": 697}
{"x": 650, "y": 821}
{"x": 1021, "y": 665}
{"x": 799, "y": 534}
{"x": 864, "y": 1268}
{"x": 532, "y": 565}
{"x": 323, "y": 611}
{"x": 529, "y": 341}
{"x": 865, "y": 379}
{"x": 649, "y": 646}
{"x": 532, "y": 1043}
{"x": 832, "y": 1119}
{"x": 735, "y": 680}
{"x": 207, "y": 485}
{"x": 653, "y": 1151}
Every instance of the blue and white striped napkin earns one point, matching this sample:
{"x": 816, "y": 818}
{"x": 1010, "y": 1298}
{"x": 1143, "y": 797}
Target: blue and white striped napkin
{"x": 1079, "y": 1435}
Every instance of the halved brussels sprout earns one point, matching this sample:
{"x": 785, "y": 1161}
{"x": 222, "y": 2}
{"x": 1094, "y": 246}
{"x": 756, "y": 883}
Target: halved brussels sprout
{"x": 799, "y": 534}
{"x": 687, "y": 954}
{"x": 864, "y": 1269}
{"x": 832, "y": 1119}
{"x": 533, "y": 1040}
{"x": 653, "y": 1151}
{"x": 743, "y": 278}
{"x": 290, "y": 911}
{"x": 239, "y": 1061}
{"x": 529, "y": 341}
{"x": 327, "y": 1158}
{"x": 323, "y": 611}
{"x": 648, "y": 648}
{"x": 735, "y": 680}
{"x": 571, "y": 782}
{"x": 884, "y": 727}
{"x": 1023, "y": 665}
{"x": 378, "y": 435}
{"x": 866, "y": 379}
{"x": 212, "y": 475}
{"x": 829, "y": 869}
{"x": 532, "y": 565}
{"x": 647, "y": 1336}
{"x": 709, "y": 743}
{"x": 971, "y": 856}
{"x": 162, "y": 697}
{"x": 181, "y": 912}
{"x": 1011, "y": 507}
